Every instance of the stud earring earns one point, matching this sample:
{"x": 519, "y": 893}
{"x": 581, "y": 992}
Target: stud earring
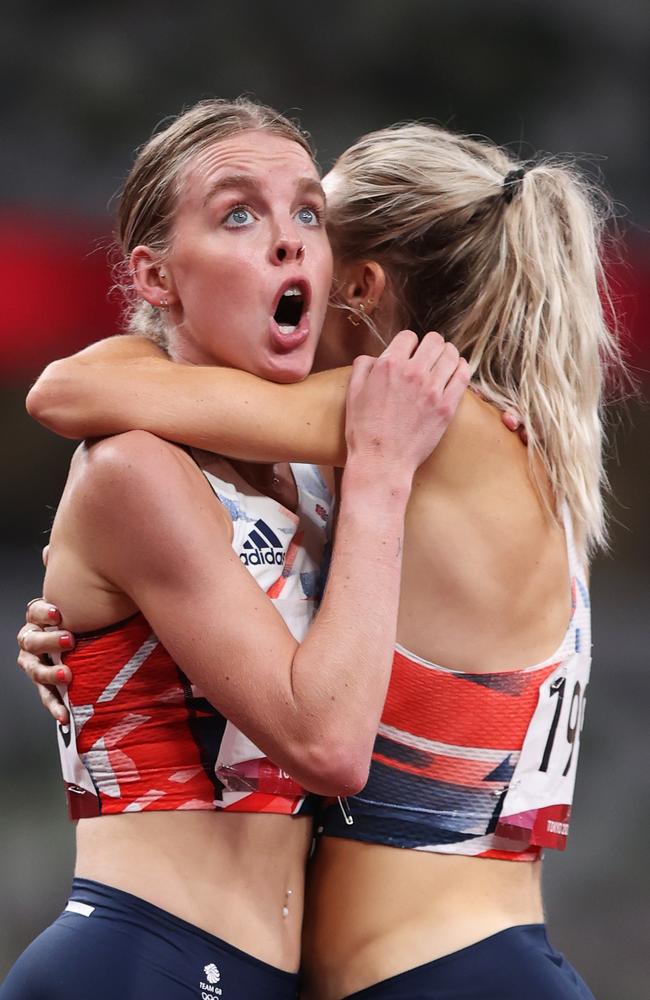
{"x": 164, "y": 305}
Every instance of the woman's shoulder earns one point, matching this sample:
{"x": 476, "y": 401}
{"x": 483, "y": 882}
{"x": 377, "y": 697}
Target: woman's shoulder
{"x": 131, "y": 468}
{"x": 476, "y": 448}
{"x": 134, "y": 453}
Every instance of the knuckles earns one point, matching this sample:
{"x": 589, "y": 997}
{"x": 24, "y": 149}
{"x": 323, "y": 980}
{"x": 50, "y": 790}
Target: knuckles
{"x": 25, "y": 638}
{"x": 433, "y": 337}
{"x": 444, "y": 410}
{"x": 386, "y": 363}
{"x": 24, "y": 662}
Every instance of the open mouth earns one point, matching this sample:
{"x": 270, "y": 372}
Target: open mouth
{"x": 290, "y": 309}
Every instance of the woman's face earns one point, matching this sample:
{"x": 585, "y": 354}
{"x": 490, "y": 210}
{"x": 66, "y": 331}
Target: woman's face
{"x": 249, "y": 266}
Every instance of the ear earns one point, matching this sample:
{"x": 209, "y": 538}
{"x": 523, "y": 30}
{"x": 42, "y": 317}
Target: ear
{"x": 362, "y": 284}
{"x": 151, "y": 279}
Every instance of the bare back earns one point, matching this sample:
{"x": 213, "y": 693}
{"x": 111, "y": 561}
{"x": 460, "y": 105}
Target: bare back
{"x": 485, "y": 582}
{"x": 485, "y": 587}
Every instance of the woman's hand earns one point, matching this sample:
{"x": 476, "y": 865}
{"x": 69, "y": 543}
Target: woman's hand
{"x": 38, "y": 639}
{"x": 512, "y": 419}
{"x": 400, "y": 404}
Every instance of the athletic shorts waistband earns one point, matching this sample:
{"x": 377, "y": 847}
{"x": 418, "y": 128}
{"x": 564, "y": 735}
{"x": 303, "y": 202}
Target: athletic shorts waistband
{"x": 99, "y": 895}
{"x": 514, "y": 962}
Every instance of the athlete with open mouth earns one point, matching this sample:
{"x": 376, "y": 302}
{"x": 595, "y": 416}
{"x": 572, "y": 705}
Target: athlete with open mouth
{"x": 189, "y": 756}
{"x": 427, "y": 883}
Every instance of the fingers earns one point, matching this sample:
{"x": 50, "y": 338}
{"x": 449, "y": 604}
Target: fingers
{"x": 33, "y": 639}
{"x": 361, "y": 368}
{"x": 51, "y": 701}
{"x": 429, "y": 350}
{"x": 457, "y": 384}
{"x": 41, "y": 612}
{"x": 445, "y": 367}
{"x": 401, "y": 346}
{"x": 45, "y": 678}
{"x": 43, "y": 673}
{"x": 513, "y": 420}
{"x": 431, "y": 355}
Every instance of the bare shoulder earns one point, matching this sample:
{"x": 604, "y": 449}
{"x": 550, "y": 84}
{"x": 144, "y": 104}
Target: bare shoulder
{"x": 476, "y": 447}
{"x": 135, "y": 455}
{"x": 137, "y": 505}
{"x": 137, "y": 471}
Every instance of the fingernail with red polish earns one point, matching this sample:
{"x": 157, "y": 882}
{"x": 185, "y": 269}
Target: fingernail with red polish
{"x": 66, "y": 642}
{"x": 60, "y": 676}
{"x": 53, "y": 614}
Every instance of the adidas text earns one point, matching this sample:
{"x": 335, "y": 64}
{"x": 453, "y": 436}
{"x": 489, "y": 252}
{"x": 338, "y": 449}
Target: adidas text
{"x": 266, "y": 557}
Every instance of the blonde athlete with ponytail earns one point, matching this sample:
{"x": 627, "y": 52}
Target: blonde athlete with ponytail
{"x": 428, "y": 882}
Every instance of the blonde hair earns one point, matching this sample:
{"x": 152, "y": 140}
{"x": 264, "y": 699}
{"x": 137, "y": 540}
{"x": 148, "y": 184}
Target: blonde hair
{"x": 148, "y": 199}
{"x": 508, "y": 272}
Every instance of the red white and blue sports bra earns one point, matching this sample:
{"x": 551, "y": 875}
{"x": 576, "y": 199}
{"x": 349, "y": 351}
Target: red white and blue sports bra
{"x": 478, "y": 764}
{"x": 143, "y": 738}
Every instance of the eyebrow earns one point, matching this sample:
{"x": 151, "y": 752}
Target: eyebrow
{"x": 244, "y": 182}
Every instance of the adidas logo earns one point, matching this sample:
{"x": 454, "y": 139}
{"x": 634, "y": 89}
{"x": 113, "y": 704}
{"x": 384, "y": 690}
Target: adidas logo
{"x": 262, "y": 547}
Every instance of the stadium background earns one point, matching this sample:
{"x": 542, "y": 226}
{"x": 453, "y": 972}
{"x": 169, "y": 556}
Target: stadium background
{"x": 82, "y": 87}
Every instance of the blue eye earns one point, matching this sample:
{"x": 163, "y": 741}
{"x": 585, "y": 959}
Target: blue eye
{"x": 239, "y": 217}
{"x": 308, "y": 216}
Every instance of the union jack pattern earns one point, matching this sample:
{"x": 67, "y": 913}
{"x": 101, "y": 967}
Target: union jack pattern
{"x": 143, "y": 737}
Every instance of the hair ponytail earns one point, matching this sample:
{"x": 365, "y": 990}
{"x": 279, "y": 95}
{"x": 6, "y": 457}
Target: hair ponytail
{"x": 504, "y": 261}
{"x": 544, "y": 344}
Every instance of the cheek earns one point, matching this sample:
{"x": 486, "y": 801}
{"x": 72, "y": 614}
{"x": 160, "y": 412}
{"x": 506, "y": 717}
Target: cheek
{"x": 209, "y": 278}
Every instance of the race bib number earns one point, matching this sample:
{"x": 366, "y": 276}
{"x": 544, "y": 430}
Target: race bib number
{"x": 537, "y": 805}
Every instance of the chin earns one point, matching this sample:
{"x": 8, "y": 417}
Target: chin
{"x": 286, "y": 368}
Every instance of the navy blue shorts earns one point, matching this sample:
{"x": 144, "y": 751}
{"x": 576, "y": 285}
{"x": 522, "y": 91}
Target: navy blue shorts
{"x": 108, "y": 944}
{"x": 515, "y": 963}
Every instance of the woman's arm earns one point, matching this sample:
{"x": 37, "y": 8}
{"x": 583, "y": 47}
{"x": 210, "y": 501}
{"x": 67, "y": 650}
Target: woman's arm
{"x": 312, "y": 707}
{"x": 127, "y": 383}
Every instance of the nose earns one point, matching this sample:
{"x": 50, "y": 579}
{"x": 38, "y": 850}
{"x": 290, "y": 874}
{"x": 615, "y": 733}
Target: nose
{"x": 288, "y": 248}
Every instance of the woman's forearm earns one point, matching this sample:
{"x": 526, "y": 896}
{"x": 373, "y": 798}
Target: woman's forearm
{"x": 340, "y": 672}
{"x": 127, "y": 383}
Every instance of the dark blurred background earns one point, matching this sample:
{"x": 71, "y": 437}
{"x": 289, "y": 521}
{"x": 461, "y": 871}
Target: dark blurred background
{"x": 82, "y": 86}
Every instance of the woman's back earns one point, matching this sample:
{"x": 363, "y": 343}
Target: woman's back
{"x": 486, "y": 588}
{"x": 485, "y": 582}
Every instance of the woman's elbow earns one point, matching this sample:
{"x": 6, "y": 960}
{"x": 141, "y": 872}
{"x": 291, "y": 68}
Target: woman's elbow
{"x": 47, "y": 400}
{"x": 330, "y": 769}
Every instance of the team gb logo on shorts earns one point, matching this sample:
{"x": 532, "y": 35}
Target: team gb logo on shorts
{"x": 209, "y": 989}
{"x": 212, "y": 973}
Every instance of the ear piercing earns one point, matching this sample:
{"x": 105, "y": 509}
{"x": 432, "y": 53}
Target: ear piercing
{"x": 355, "y": 318}
{"x": 164, "y": 305}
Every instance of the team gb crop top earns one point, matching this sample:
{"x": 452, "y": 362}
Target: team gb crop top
{"x": 142, "y": 736}
{"x": 479, "y": 764}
